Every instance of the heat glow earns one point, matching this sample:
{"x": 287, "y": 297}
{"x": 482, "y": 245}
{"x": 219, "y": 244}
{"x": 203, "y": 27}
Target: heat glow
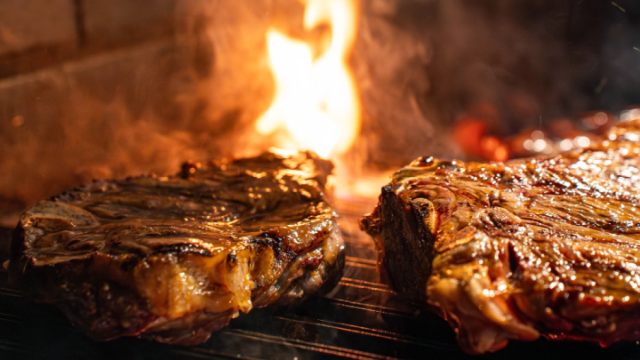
{"x": 316, "y": 100}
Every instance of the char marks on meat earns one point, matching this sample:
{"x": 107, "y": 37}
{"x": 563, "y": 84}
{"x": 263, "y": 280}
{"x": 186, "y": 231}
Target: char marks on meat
{"x": 541, "y": 246}
{"x": 174, "y": 258}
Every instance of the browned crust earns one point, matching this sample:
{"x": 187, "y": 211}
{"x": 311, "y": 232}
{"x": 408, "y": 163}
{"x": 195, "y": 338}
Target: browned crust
{"x": 546, "y": 246}
{"x": 162, "y": 282}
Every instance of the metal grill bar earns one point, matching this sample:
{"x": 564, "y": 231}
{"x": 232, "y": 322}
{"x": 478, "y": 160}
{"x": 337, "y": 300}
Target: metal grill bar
{"x": 388, "y": 335}
{"x": 316, "y": 347}
{"x": 201, "y": 353}
{"x": 361, "y": 284}
{"x": 367, "y": 307}
{"x": 361, "y": 262}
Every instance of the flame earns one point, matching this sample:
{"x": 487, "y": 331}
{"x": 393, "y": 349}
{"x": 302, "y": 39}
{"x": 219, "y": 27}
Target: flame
{"x": 316, "y": 100}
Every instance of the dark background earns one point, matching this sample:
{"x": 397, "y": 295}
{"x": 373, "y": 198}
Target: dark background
{"x": 517, "y": 64}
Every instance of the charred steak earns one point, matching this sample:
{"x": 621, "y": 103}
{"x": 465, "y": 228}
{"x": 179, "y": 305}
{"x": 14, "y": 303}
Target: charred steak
{"x": 545, "y": 246}
{"x": 175, "y": 258}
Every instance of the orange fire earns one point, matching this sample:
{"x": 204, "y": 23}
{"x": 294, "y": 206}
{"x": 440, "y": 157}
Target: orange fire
{"x": 316, "y": 100}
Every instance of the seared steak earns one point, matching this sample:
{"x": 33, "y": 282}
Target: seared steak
{"x": 174, "y": 258}
{"x": 541, "y": 246}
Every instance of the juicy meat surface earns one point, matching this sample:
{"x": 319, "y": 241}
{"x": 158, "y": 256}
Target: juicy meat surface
{"x": 545, "y": 246}
{"x": 175, "y": 258}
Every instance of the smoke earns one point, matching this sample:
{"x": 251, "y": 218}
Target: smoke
{"x": 391, "y": 63}
{"x": 422, "y": 63}
{"x": 419, "y": 64}
{"x": 136, "y": 110}
{"x": 61, "y": 132}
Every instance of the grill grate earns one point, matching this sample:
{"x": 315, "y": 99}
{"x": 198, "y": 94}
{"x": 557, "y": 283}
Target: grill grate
{"x": 360, "y": 319}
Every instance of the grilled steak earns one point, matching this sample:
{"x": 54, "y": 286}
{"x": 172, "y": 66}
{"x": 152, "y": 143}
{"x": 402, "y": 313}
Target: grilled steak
{"x": 545, "y": 246}
{"x": 174, "y": 258}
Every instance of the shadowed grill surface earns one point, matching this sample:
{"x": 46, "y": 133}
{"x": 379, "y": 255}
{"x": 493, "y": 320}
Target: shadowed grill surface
{"x": 360, "y": 319}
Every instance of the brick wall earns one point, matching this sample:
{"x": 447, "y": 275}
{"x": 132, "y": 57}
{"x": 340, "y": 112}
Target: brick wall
{"x": 111, "y": 88}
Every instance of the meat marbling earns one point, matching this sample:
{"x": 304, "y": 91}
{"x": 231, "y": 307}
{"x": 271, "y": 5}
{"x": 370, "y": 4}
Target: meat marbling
{"x": 175, "y": 258}
{"x": 544, "y": 246}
